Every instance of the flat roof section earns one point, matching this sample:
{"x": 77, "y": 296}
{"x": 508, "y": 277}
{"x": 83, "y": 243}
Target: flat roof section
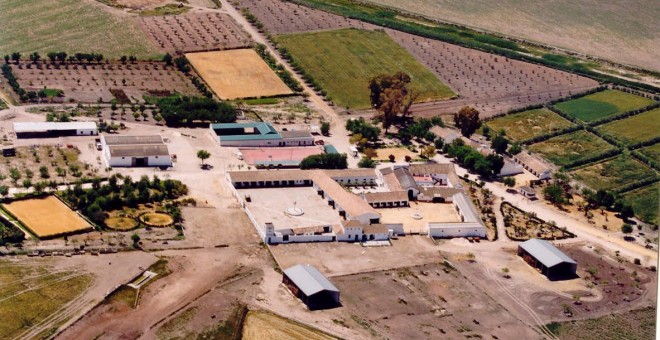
{"x": 138, "y": 150}
{"x": 22, "y": 127}
{"x": 133, "y": 140}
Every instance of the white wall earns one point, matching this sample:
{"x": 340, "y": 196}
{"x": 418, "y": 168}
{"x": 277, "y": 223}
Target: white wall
{"x": 87, "y": 132}
{"x": 459, "y": 230}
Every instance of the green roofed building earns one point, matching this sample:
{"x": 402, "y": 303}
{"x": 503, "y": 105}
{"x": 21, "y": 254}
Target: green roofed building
{"x": 259, "y": 134}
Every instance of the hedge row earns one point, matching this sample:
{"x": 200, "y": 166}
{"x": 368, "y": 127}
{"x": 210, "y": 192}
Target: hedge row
{"x": 625, "y": 114}
{"x": 646, "y": 159}
{"x": 547, "y": 136}
{"x": 649, "y": 142}
{"x": 605, "y": 137}
{"x": 285, "y": 75}
{"x": 13, "y": 82}
{"x": 592, "y": 159}
{"x": 297, "y": 68}
{"x": 635, "y": 185}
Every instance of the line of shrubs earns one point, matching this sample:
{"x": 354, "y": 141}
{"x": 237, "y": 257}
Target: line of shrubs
{"x": 13, "y": 82}
{"x": 625, "y": 114}
{"x": 547, "y": 136}
{"x": 636, "y": 185}
{"x": 297, "y": 68}
{"x": 279, "y": 69}
{"x": 646, "y": 159}
{"x": 592, "y": 159}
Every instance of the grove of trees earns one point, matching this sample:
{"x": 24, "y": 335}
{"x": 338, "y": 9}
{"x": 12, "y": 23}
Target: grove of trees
{"x": 177, "y": 110}
{"x": 324, "y": 161}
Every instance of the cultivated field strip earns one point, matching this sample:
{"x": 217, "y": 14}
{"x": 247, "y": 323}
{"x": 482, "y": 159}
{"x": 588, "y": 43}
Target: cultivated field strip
{"x": 195, "y": 32}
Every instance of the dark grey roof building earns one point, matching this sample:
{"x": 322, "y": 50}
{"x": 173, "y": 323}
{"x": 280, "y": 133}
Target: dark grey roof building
{"x": 310, "y": 286}
{"x": 549, "y": 260}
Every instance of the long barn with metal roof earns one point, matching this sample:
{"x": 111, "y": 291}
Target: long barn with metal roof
{"x": 549, "y": 260}
{"x": 310, "y": 286}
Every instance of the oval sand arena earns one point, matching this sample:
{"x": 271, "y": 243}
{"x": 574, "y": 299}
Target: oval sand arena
{"x": 237, "y": 74}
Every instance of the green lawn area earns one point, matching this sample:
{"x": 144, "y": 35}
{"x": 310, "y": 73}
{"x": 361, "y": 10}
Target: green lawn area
{"x": 602, "y": 104}
{"x": 343, "y": 62}
{"x": 645, "y": 202}
{"x": 613, "y": 173}
{"x": 652, "y": 151}
{"x": 570, "y": 147}
{"x": 632, "y": 325}
{"x": 638, "y": 128}
{"x": 70, "y": 26}
{"x": 528, "y": 124}
{"x": 30, "y": 294}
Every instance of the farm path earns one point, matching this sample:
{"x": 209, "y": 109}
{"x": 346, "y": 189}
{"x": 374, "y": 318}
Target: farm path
{"x": 583, "y": 231}
{"x": 339, "y": 136}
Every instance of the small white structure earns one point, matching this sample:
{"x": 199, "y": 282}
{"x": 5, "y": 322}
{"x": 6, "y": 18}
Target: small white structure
{"x": 510, "y": 168}
{"x": 527, "y": 191}
{"x": 135, "y": 151}
{"x": 54, "y": 129}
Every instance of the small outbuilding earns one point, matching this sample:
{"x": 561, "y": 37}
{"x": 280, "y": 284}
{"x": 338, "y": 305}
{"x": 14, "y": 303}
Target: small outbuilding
{"x": 549, "y": 260}
{"x": 136, "y": 151}
{"x": 310, "y": 286}
{"x": 527, "y": 191}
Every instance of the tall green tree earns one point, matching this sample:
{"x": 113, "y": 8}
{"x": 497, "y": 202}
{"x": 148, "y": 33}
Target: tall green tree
{"x": 391, "y": 97}
{"x": 467, "y": 120}
{"x": 203, "y": 155}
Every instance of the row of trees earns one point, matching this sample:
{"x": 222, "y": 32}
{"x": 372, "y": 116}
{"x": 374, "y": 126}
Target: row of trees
{"x": 324, "y": 161}
{"x": 62, "y": 57}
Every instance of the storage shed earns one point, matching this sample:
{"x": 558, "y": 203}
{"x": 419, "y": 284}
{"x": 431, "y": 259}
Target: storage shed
{"x": 54, "y": 129}
{"x": 549, "y": 260}
{"x": 310, "y": 286}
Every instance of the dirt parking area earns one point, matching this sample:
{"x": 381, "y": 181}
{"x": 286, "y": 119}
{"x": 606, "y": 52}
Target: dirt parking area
{"x": 342, "y": 258}
{"x": 424, "y": 302}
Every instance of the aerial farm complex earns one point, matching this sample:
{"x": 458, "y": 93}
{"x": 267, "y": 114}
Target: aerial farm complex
{"x": 329, "y": 169}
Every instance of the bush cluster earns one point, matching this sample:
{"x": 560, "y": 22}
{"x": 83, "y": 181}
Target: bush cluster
{"x": 325, "y": 161}
{"x": 362, "y": 127}
{"x": 113, "y": 195}
{"x": 177, "y": 110}
{"x": 486, "y": 166}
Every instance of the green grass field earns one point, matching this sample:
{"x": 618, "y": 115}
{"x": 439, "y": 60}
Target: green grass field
{"x": 602, "y": 104}
{"x": 652, "y": 151}
{"x": 528, "y": 124}
{"x": 564, "y": 149}
{"x": 613, "y": 173}
{"x": 638, "y": 128}
{"x": 70, "y": 26}
{"x": 633, "y": 325}
{"x": 31, "y": 294}
{"x": 343, "y": 62}
{"x": 645, "y": 202}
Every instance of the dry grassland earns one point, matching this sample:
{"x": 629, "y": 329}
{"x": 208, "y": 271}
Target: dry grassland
{"x": 263, "y": 325}
{"x": 46, "y": 216}
{"x": 237, "y": 74}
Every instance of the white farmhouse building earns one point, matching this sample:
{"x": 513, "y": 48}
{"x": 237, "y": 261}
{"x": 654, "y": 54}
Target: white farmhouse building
{"x": 135, "y": 151}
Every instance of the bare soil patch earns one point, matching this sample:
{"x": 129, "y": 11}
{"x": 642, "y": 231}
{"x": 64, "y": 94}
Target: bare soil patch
{"x": 280, "y": 17}
{"x": 195, "y": 32}
{"x": 237, "y": 74}
{"x": 492, "y": 83}
{"x": 47, "y": 216}
{"x": 424, "y": 302}
{"x": 89, "y": 83}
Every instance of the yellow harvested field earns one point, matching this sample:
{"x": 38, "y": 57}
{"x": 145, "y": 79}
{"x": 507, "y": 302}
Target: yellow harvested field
{"x": 234, "y": 74}
{"x": 46, "y": 216}
{"x": 263, "y": 325}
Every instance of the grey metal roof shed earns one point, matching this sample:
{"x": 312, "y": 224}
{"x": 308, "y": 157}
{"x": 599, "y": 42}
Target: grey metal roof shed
{"x": 308, "y": 284}
{"x": 551, "y": 261}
